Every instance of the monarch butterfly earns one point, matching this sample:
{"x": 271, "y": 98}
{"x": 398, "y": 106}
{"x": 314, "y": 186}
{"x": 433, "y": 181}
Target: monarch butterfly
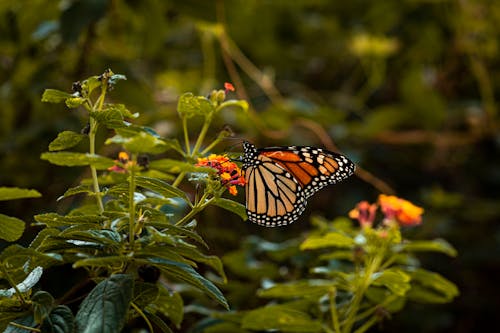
{"x": 279, "y": 180}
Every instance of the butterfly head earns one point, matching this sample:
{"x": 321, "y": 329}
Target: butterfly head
{"x": 249, "y": 154}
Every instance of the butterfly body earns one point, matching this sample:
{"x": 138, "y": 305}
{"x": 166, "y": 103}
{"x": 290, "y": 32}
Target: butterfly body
{"x": 281, "y": 179}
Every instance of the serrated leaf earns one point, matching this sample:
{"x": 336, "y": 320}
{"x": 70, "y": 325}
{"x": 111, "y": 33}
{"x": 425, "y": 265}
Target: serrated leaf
{"x": 395, "y": 280}
{"x": 158, "y": 322}
{"x": 55, "y": 96}
{"x": 59, "y": 320}
{"x": 42, "y": 305}
{"x": 12, "y": 193}
{"x": 142, "y": 142}
{"x": 56, "y": 220}
{"x": 110, "y": 261}
{"x": 106, "y": 307}
{"x": 190, "y": 106}
{"x": 169, "y": 304}
{"x": 232, "y": 206}
{"x": 65, "y": 140}
{"x": 161, "y": 187}
{"x": 331, "y": 239}
{"x": 76, "y": 190}
{"x": 279, "y": 317}
{"x": 436, "y": 245}
{"x": 186, "y": 273}
{"x": 430, "y": 287}
{"x": 74, "y": 102}
{"x": 111, "y": 118}
{"x": 175, "y": 166}
{"x": 78, "y": 159}
{"x": 11, "y": 228}
{"x": 122, "y": 109}
{"x": 145, "y": 293}
{"x": 306, "y": 288}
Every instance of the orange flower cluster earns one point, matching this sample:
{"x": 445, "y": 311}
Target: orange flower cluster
{"x": 228, "y": 172}
{"x": 394, "y": 209}
{"x": 122, "y": 163}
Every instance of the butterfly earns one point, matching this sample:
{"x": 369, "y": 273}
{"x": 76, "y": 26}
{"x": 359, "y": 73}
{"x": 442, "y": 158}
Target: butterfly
{"x": 279, "y": 180}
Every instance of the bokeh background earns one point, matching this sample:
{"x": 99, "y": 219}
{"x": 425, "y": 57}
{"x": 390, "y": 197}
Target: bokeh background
{"x": 407, "y": 89}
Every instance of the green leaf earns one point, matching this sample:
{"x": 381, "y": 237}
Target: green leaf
{"x": 27, "y": 321}
{"x": 145, "y": 293}
{"x": 11, "y": 228}
{"x": 392, "y": 303}
{"x": 65, "y": 140}
{"x": 76, "y": 190}
{"x": 12, "y": 193}
{"x": 105, "y": 309}
{"x": 190, "y": 106}
{"x": 111, "y": 118}
{"x": 158, "y": 322}
{"x": 169, "y": 304}
{"x": 186, "y": 273}
{"x": 43, "y": 303}
{"x": 436, "y": 245}
{"x": 110, "y": 261}
{"x": 161, "y": 187}
{"x": 395, "y": 280}
{"x": 59, "y": 320}
{"x": 55, "y": 96}
{"x": 78, "y": 159}
{"x": 56, "y": 220}
{"x": 193, "y": 253}
{"x": 282, "y": 318}
{"x": 331, "y": 239}
{"x": 142, "y": 142}
{"x": 305, "y": 288}
{"x": 175, "y": 166}
{"x": 430, "y": 287}
{"x": 122, "y": 109}
{"x": 232, "y": 102}
{"x": 232, "y": 206}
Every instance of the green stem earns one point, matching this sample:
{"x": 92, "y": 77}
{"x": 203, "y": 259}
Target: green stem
{"x": 203, "y": 132}
{"x": 372, "y": 321}
{"x": 186, "y": 135}
{"x": 131, "y": 205}
{"x": 24, "y": 327}
{"x": 333, "y": 310}
{"x": 93, "y": 130}
{"x": 212, "y": 145}
{"x": 199, "y": 206}
{"x": 139, "y": 311}
{"x": 179, "y": 179}
{"x": 372, "y": 267}
{"x": 13, "y": 284}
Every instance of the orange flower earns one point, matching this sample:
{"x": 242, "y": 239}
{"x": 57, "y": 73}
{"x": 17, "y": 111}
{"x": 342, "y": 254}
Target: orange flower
{"x": 403, "y": 211}
{"x": 229, "y": 173}
{"x": 122, "y": 163}
{"x": 364, "y": 212}
{"x": 228, "y": 87}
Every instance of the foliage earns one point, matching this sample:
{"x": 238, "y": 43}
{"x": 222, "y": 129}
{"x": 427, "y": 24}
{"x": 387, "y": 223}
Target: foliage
{"x": 406, "y": 89}
{"x": 341, "y": 278}
{"x": 123, "y": 232}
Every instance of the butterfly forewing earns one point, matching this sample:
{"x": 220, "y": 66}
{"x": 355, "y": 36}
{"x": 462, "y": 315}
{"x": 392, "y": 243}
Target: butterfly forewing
{"x": 280, "y": 179}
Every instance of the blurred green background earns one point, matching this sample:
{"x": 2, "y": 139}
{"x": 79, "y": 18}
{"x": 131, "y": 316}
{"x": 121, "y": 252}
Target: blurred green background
{"x": 404, "y": 88}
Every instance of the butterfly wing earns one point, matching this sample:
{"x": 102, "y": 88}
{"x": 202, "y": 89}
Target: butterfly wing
{"x": 280, "y": 179}
{"x": 273, "y": 196}
{"x": 313, "y": 168}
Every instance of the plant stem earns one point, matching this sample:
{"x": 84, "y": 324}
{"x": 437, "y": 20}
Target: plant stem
{"x": 93, "y": 170}
{"x": 13, "y": 284}
{"x": 24, "y": 327}
{"x": 179, "y": 178}
{"x": 139, "y": 311}
{"x": 203, "y": 132}
{"x": 186, "y": 135}
{"x": 372, "y": 267}
{"x": 131, "y": 205}
{"x": 333, "y": 310}
{"x": 196, "y": 209}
